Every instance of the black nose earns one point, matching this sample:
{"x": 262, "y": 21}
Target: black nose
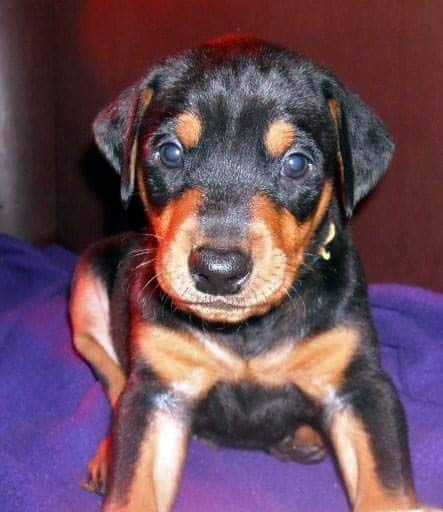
{"x": 219, "y": 271}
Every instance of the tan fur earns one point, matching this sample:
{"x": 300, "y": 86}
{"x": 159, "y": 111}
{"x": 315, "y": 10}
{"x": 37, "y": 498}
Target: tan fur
{"x": 355, "y": 455}
{"x": 178, "y": 230}
{"x": 145, "y": 100}
{"x": 279, "y": 241}
{"x": 183, "y": 362}
{"x": 98, "y": 467}
{"x": 141, "y": 189}
{"x": 316, "y": 365}
{"x": 305, "y": 435}
{"x": 89, "y": 310}
{"x": 158, "y": 469}
{"x": 189, "y": 128}
{"x": 279, "y": 137}
{"x": 193, "y": 365}
{"x": 334, "y": 109}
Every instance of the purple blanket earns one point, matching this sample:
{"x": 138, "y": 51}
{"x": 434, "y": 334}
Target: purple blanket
{"x": 53, "y": 412}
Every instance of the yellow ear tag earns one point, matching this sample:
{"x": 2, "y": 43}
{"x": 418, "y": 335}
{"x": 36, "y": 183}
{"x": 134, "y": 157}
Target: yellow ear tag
{"x": 326, "y": 255}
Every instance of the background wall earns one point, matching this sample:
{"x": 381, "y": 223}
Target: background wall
{"x": 27, "y": 93}
{"x": 390, "y": 52}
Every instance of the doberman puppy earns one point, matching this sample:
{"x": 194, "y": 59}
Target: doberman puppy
{"x": 241, "y": 316}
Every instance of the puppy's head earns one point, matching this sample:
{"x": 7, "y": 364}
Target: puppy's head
{"x": 236, "y": 148}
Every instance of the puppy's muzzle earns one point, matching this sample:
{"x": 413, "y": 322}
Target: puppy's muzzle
{"x": 217, "y": 271}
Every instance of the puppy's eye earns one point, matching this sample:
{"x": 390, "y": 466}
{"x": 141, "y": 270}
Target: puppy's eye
{"x": 295, "y": 165}
{"x": 171, "y": 155}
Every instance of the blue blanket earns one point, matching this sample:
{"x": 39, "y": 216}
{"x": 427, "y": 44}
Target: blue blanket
{"x": 53, "y": 411}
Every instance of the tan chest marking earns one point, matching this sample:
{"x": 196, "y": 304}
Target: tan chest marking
{"x": 182, "y": 361}
{"x": 192, "y": 365}
{"x": 314, "y": 365}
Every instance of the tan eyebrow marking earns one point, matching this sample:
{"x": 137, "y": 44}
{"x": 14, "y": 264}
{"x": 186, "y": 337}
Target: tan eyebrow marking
{"x": 189, "y": 128}
{"x": 279, "y": 137}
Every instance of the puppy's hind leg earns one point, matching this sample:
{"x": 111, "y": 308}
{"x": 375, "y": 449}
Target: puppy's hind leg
{"x": 89, "y": 310}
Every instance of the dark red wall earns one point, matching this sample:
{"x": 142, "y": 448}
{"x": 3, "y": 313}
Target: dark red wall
{"x": 27, "y": 92}
{"x": 390, "y": 52}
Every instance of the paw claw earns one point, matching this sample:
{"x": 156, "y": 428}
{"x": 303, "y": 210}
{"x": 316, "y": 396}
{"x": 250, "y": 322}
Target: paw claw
{"x": 98, "y": 469}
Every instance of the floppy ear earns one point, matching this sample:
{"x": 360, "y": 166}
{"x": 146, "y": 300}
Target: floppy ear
{"x": 365, "y": 145}
{"x": 116, "y": 128}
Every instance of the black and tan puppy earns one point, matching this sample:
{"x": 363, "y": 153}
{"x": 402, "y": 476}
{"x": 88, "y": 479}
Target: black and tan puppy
{"x": 242, "y": 316}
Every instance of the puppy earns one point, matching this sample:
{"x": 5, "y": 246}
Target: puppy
{"x": 241, "y": 316}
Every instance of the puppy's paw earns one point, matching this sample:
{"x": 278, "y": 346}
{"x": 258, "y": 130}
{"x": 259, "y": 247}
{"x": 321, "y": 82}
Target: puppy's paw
{"x": 306, "y": 447}
{"x": 98, "y": 468}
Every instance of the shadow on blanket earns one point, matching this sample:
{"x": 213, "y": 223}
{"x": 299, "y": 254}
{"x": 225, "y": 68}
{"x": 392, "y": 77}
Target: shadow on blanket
{"x": 54, "y": 412}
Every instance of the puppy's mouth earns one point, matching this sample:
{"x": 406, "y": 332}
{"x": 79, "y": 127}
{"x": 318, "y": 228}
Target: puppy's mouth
{"x": 219, "y": 304}
{"x": 220, "y": 309}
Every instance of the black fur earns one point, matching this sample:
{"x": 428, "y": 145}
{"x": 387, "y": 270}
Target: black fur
{"x": 253, "y": 417}
{"x": 238, "y": 87}
{"x": 269, "y": 82}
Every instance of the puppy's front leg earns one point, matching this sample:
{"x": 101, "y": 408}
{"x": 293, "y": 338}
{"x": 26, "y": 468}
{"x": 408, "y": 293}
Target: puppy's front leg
{"x": 369, "y": 435}
{"x": 149, "y": 444}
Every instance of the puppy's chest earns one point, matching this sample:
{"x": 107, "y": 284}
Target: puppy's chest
{"x": 193, "y": 363}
